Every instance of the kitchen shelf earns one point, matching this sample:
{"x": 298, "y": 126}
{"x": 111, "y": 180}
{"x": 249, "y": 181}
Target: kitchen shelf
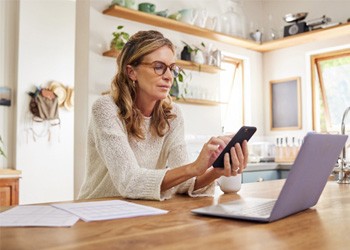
{"x": 196, "y": 101}
{"x": 171, "y": 24}
{"x": 183, "y": 64}
{"x": 307, "y": 37}
{"x": 315, "y": 35}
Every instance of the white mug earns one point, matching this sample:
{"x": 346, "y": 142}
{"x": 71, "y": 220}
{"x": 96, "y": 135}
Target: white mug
{"x": 230, "y": 184}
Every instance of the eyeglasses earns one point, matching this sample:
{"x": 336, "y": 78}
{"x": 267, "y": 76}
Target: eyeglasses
{"x": 160, "y": 68}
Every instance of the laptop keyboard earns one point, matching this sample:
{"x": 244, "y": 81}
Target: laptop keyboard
{"x": 261, "y": 210}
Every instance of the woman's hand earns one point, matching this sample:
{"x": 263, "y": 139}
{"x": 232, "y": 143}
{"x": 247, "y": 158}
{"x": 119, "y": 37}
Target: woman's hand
{"x": 239, "y": 159}
{"x": 212, "y": 149}
{"x": 203, "y": 169}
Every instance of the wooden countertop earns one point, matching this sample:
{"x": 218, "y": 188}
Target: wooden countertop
{"x": 10, "y": 173}
{"x": 323, "y": 227}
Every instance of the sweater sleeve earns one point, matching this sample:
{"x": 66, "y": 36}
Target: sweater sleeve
{"x": 112, "y": 145}
{"x": 178, "y": 156}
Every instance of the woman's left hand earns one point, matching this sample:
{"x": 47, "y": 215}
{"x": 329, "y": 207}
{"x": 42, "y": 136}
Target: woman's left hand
{"x": 239, "y": 159}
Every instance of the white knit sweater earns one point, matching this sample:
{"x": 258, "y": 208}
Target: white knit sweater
{"x": 119, "y": 165}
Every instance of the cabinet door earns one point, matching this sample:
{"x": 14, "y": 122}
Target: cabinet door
{"x": 8, "y": 191}
{"x": 258, "y": 176}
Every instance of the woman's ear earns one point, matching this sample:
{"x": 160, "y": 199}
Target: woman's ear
{"x": 131, "y": 72}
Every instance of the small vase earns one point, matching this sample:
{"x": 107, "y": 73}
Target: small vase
{"x": 185, "y": 54}
{"x": 198, "y": 57}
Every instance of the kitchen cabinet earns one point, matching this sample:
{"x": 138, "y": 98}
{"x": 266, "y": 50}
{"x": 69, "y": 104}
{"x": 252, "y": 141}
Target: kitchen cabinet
{"x": 264, "y": 175}
{"x": 141, "y": 17}
{"x": 9, "y": 187}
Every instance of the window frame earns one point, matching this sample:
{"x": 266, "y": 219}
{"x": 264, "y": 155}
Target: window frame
{"x": 237, "y": 76}
{"x": 317, "y": 83}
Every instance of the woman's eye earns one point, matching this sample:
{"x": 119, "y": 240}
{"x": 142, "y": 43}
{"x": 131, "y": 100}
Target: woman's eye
{"x": 159, "y": 66}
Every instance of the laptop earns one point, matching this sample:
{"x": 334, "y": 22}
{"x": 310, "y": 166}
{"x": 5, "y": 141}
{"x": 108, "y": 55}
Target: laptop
{"x": 302, "y": 189}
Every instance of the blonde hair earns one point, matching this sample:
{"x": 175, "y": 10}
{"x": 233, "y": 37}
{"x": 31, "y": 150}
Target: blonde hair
{"x": 123, "y": 89}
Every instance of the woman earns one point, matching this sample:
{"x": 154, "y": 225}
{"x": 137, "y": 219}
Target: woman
{"x": 136, "y": 146}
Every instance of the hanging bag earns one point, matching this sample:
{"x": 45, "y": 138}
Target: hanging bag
{"x": 44, "y": 106}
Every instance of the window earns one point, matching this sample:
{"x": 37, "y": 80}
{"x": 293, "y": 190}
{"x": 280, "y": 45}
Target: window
{"x": 330, "y": 89}
{"x": 232, "y": 93}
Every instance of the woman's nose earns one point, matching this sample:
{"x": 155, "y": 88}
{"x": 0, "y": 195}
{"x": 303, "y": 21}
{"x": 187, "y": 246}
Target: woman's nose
{"x": 168, "y": 75}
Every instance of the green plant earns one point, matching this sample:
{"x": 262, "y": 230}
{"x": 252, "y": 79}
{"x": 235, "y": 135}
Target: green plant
{"x": 120, "y": 38}
{"x": 175, "y": 90}
{"x": 1, "y": 150}
{"x": 194, "y": 49}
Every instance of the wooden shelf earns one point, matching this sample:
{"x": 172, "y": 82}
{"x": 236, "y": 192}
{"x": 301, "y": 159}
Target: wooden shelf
{"x": 181, "y": 63}
{"x": 171, "y": 24}
{"x": 307, "y": 37}
{"x": 196, "y": 101}
{"x": 315, "y": 35}
{"x": 198, "y": 67}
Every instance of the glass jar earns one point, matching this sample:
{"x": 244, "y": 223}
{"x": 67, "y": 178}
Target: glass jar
{"x": 233, "y": 21}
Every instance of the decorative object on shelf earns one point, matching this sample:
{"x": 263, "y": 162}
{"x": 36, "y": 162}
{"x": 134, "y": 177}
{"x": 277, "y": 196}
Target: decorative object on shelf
{"x": 271, "y": 33}
{"x": 162, "y": 13}
{"x": 319, "y": 23}
{"x": 147, "y": 7}
{"x": 233, "y": 21}
{"x": 130, "y": 4}
{"x": 196, "y": 53}
{"x": 5, "y": 96}
{"x": 117, "y": 2}
{"x": 123, "y": 3}
{"x": 2, "y": 153}
{"x": 188, "y": 16}
{"x": 216, "y": 58}
{"x": 211, "y": 23}
{"x": 175, "y": 16}
{"x": 285, "y": 104}
{"x": 256, "y": 36}
{"x": 297, "y": 27}
{"x": 157, "y": 21}
{"x": 120, "y": 38}
{"x": 201, "y": 19}
{"x": 198, "y": 57}
{"x": 186, "y": 53}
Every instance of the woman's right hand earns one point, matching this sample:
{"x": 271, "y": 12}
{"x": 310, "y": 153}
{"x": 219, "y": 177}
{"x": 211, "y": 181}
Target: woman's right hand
{"x": 210, "y": 151}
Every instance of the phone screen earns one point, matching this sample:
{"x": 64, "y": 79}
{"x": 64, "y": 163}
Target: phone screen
{"x": 244, "y": 133}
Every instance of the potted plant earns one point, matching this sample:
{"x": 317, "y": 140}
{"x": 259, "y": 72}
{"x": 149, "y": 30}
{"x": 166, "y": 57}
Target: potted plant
{"x": 196, "y": 53}
{"x": 2, "y": 153}
{"x": 120, "y": 38}
{"x": 175, "y": 89}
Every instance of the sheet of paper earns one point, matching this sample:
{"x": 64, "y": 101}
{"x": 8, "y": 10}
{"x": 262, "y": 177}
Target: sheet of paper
{"x": 37, "y": 216}
{"x": 107, "y": 210}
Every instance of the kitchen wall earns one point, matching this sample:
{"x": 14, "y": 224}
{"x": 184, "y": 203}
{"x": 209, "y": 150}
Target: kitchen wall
{"x": 39, "y": 48}
{"x": 31, "y": 29}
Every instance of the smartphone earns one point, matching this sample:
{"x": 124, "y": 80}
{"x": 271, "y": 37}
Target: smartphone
{"x": 244, "y": 133}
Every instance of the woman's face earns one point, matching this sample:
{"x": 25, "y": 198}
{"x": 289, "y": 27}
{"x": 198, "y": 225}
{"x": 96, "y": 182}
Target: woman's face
{"x": 152, "y": 85}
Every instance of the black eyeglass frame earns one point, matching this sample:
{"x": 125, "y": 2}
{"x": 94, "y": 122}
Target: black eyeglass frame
{"x": 175, "y": 72}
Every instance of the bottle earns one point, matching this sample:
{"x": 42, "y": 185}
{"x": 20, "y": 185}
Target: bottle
{"x": 287, "y": 151}
{"x": 283, "y": 151}
{"x": 277, "y": 150}
{"x": 295, "y": 148}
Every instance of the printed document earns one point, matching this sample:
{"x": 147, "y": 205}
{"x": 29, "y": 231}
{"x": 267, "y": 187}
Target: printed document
{"x": 37, "y": 216}
{"x": 107, "y": 210}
